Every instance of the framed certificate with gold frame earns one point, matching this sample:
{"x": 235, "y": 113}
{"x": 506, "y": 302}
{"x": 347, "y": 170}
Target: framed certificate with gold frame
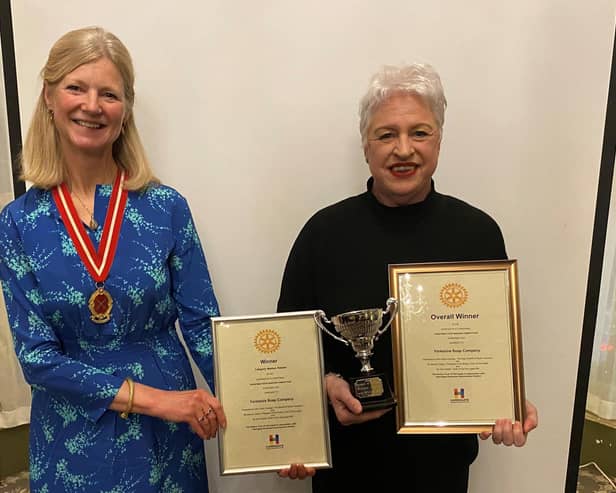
{"x": 269, "y": 379}
{"x": 457, "y": 346}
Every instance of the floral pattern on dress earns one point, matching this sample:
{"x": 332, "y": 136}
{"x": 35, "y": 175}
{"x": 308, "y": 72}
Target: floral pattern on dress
{"x": 159, "y": 280}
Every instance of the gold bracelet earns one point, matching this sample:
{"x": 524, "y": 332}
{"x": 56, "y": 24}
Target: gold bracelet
{"x": 131, "y": 394}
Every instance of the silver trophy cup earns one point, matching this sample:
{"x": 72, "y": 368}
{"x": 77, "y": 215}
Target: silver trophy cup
{"x": 361, "y": 329}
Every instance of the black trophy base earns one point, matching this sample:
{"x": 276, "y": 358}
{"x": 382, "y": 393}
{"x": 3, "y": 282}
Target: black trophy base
{"x": 373, "y": 391}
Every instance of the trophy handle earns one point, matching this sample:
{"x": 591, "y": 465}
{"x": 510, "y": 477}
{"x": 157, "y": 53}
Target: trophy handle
{"x": 320, "y": 315}
{"x": 392, "y": 309}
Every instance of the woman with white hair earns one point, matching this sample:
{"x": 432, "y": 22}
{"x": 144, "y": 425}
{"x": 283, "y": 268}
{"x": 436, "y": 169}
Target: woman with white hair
{"x": 339, "y": 263}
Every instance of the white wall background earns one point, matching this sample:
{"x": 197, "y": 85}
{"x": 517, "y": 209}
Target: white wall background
{"x": 250, "y": 110}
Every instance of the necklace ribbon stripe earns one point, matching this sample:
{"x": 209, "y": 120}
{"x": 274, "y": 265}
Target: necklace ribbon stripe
{"x": 98, "y": 262}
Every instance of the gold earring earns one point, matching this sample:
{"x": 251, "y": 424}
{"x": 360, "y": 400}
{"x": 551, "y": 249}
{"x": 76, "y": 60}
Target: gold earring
{"x": 50, "y": 111}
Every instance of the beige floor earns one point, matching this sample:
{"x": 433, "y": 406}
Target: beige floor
{"x": 15, "y": 484}
{"x": 591, "y": 480}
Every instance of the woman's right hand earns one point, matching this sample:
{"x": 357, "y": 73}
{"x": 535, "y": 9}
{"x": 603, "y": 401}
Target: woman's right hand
{"x": 297, "y": 471}
{"x": 347, "y": 408}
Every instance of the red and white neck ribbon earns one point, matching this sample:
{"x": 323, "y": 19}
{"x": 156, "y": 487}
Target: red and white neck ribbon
{"x": 98, "y": 262}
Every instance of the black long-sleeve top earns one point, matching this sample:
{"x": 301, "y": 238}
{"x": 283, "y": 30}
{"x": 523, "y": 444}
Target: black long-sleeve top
{"x": 339, "y": 262}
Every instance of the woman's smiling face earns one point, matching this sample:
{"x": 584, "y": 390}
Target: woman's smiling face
{"x": 402, "y": 149}
{"x": 88, "y": 108}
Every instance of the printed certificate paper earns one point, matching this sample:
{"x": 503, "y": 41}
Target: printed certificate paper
{"x": 269, "y": 379}
{"x": 457, "y": 346}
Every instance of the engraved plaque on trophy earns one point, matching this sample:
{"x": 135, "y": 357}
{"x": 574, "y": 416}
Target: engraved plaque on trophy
{"x": 361, "y": 329}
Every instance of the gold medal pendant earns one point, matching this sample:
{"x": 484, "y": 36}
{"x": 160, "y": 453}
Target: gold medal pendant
{"x": 100, "y": 304}
{"x": 97, "y": 261}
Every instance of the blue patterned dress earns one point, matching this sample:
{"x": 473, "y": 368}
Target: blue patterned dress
{"x": 76, "y": 367}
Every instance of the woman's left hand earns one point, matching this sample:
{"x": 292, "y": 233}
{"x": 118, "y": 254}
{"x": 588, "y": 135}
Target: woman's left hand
{"x": 506, "y": 433}
{"x": 200, "y": 409}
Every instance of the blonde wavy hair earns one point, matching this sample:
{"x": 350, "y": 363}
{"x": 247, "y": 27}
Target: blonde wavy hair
{"x": 42, "y": 162}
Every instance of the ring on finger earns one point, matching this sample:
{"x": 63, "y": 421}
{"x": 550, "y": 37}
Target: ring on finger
{"x": 209, "y": 411}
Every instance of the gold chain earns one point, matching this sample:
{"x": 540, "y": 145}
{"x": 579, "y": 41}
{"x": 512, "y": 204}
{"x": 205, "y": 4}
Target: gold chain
{"x": 93, "y": 225}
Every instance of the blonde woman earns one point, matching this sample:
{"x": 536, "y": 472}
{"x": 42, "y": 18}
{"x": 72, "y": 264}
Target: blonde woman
{"x": 98, "y": 261}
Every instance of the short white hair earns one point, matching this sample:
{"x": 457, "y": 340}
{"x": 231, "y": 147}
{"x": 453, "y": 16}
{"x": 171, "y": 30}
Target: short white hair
{"x": 418, "y": 78}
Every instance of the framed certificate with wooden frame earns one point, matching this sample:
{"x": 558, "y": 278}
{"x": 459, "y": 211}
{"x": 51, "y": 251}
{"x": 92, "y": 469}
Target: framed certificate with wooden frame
{"x": 457, "y": 346}
{"x": 269, "y": 379}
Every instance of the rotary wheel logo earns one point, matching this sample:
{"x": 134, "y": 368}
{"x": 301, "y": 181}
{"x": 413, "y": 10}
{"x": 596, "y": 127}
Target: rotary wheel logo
{"x": 267, "y": 341}
{"x": 453, "y": 295}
